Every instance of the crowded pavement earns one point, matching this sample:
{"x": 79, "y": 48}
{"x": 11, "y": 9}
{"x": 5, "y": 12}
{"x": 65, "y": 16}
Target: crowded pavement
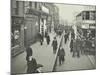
{"x": 75, "y": 63}
{"x": 49, "y": 37}
{"x": 42, "y": 53}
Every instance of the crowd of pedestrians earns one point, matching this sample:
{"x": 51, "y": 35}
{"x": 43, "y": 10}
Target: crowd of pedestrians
{"x": 32, "y": 65}
{"x": 76, "y": 48}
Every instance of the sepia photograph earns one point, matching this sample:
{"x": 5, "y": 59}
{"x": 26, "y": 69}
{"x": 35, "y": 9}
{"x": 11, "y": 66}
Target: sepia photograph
{"x": 52, "y": 37}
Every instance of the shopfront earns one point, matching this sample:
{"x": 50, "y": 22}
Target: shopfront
{"x": 43, "y": 20}
{"x": 31, "y": 28}
{"x": 16, "y": 35}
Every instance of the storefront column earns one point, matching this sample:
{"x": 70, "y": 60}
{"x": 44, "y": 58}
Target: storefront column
{"x": 22, "y": 38}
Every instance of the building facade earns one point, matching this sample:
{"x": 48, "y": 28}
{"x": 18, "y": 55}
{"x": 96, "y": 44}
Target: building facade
{"x": 36, "y": 15}
{"x": 86, "y": 20}
{"x": 53, "y": 18}
{"x": 29, "y": 19}
{"x": 17, "y": 27}
{"x": 31, "y": 14}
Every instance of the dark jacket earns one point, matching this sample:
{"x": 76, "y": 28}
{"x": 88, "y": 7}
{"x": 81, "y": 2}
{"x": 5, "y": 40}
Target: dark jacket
{"x": 65, "y": 36}
{"x": 77, "y": 45}
{"x": 54, "y": 44}
{"x": 28, "y": 53}
{"x": 41, "y": 37}
{"x": 46, "y": 34}
{"x": 61, "y": 52}
{"x": 72, "y": 35}
{"x": 71, "y": 44}
{"x": 48, "y": 38}
{"x": 32, "y": 66}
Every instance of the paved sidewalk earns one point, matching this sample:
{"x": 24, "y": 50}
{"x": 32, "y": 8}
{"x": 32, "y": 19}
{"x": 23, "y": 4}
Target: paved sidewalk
{"x": 92, "y": 58}
{"x": 82, "y": 63}
{"x": 43, "y": 55}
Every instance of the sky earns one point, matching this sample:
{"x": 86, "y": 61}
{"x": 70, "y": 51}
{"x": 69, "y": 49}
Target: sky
{"x": 67, "y": 12}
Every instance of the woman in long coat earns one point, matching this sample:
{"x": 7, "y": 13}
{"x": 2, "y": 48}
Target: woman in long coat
{"x": 71, "y": 45}
{"x": 61, "y": 54}
{"x": 54, "y": 44}
{"x": 48, "y": 39}
{"x": 76, "y": 47}
{"x": 41, "y": 39}
{"x": 65, "y": 36}
{"x": 28, "y": 53}
{"x": 33, "y": 66}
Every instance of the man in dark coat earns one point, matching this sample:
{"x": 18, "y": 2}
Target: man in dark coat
{"x": 54, "y": 44}
{"x": 76, "y": 47}
{"x": 68, "y": 36}
{"x": 48, "y": 39}
{"x": 46, "y": 34}
{"x": 33, "y": 66}
{"x": 71, "y": 45}
{"x": 65, "y": 36}
{"x": 61, "y": 54}
{"x": 28, "y": 53}
{"x": 41, "y": 39}
{"x": 72, "y": 35}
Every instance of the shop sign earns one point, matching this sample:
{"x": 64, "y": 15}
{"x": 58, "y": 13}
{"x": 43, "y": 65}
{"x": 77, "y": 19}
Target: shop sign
{"x": 44, "y": 9}
{"x": 92, "y": 27}
{"x": 17, "y": 21}
{"x": 85, "y": 26}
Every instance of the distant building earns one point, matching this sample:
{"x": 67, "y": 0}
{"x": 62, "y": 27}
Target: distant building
{"x": 39, "y": 17}
{"x": 86, "y": 20}
{"x": 53, "y": 18}
{"x": 56, "y": 17}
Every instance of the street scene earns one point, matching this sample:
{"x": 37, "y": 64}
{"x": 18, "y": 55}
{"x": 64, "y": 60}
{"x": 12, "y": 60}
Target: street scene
{"x": 52, "y": 37}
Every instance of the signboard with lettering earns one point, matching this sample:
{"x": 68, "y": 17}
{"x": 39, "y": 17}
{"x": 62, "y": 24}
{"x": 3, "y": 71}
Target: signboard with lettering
{"x": 17, "y": 20}
{"x": 85, "y": 26}
{"x": 44, "y": 9}
{"x": 92, "y": 27}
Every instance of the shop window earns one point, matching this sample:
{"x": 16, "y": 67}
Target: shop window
{"x": 35, "y": 4}
{"x": 87, "y": 15}
{"x": 30, "y": 4}
{"x": 83, "y": 15}
{"x": 92, "y": 15}
{"x": 17, "y": 8}
{"x": 15, "y": 35}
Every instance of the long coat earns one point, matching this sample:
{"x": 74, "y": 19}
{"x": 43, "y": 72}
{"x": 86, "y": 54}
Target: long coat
{"x": 76, "y": 45}
{"x": 54, "y": 44}
{"x": 32, "y": 66}
{"x": 61, "y": 52}
{"x": 72, "y": 35}
{"x": 71, "y": 44}
{"x": 48, "y": 39}
{"x": 66, "y": 36}
{"x": 28, "y": 53}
